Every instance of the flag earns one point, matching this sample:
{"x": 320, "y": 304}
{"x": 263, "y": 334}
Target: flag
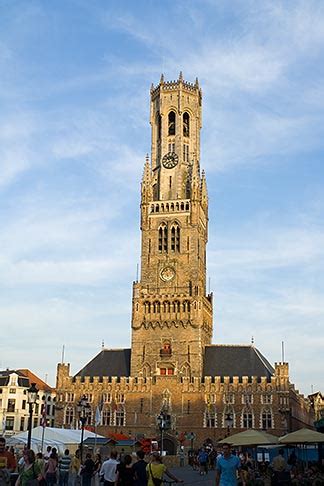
{"x": 98, "y": 416}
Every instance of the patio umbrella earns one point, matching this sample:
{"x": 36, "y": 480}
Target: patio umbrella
{"x": 302, "y": 436}
{"x": 250, "y": 437}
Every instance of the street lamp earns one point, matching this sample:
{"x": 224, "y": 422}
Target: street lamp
{"x": 31, "y": 399}
{"x": 83, "y": 408}
{"x": 228, "y": 422}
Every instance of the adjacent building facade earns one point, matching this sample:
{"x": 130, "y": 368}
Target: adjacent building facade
{"x": 14, "y": 408}
{"x": 172, "y": 365}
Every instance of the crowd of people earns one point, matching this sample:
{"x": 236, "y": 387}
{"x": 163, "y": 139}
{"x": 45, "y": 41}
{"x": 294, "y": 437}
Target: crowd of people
{"x": 229, "y": 468}
{"x": 50, "y": 469}
{"x": 232, "y": 468}
{"x": 209, "y": 458}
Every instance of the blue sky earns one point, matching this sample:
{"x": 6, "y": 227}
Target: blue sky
{"x": 74, "y": 132}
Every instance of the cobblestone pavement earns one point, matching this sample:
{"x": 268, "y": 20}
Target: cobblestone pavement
{"x": 193, "y": 478}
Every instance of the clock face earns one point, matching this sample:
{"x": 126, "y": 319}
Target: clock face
{"x": 167, "y": 274}
{"x": 170, "y": 160}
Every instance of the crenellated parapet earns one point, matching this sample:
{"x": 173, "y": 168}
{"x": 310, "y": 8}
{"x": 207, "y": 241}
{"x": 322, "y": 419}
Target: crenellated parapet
{"x": 175, "y": 85}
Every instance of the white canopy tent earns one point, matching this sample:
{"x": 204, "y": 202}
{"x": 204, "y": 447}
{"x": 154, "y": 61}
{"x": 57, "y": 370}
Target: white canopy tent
{"x": 60, "y": 438}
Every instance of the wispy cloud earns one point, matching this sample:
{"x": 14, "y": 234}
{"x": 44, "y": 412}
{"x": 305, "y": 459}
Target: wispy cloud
{"x": 74, "y": 131}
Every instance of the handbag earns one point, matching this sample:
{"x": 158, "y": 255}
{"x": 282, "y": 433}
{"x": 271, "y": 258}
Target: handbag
{"x": 156, "y": 481}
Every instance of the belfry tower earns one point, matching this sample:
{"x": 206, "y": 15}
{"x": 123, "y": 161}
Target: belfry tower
{"x": 171, "y": 313}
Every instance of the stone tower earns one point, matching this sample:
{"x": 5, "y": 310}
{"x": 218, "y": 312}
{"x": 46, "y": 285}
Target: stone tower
{"x": 171, "y": 313}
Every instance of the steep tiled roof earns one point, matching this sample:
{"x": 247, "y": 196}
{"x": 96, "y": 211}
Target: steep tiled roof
{"x": 235, "y": 360}
{"x": 41, "y": 385}
{"x": 109, "y": 362}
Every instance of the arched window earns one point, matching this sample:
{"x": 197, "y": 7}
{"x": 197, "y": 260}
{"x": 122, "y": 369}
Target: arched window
{"x": 69, "y": 416}
{"x": 120, "y": 419}
{"x": 186, "y": 306}
{"x": 146, "y": 370}
{"x": 158, "y": 126}
{"x": 156, "y": 307}
{"x": 186, "y": 124}
{"x": 147, "y": 307}
{"x": 175, "y": 237}
{"x": 166, "y": 306}
{"x": 106, "y": 416}
{"x": 210, "y": 417}
{"x": 106, "y": 397}
{"x": 163, "y": 238}
{"x": 171, "y": 123}
{"x": 185, "y": 370}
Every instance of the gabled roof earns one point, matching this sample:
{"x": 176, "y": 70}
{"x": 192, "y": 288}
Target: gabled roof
{"x": 109, "y": 362}
{"x": 235, "y": 360}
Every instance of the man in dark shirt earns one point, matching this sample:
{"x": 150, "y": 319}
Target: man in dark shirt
{"x": 139, "y": 469}
{"x": 87, "y": 470}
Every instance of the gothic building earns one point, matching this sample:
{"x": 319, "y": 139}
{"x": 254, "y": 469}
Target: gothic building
{"x": 172, "y": 364}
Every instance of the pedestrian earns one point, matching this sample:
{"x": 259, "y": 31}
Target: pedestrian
{"x": 51, "y": 468}
{"x": 109, "y": 469}
{"x": 87, "y": 470}
{"x": 98, "y": 464}
{"x": 181, "y": 456}
{"x": 203, "y": 461}
{"x": 139, "y": 469}
{"x": 280, "y": 469}
{"x": 64, "y": 468}
{"x": 7, "y": 459}
{"x": 227, "y": 467}
{"x": 125, "y": 472}
{"x": 156, "y": 469}
{"x": 31, "y": 472}
{"x": 40, "y": 461}
{"x": 47, "y": 453}
{"x": 74, "y": 476}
